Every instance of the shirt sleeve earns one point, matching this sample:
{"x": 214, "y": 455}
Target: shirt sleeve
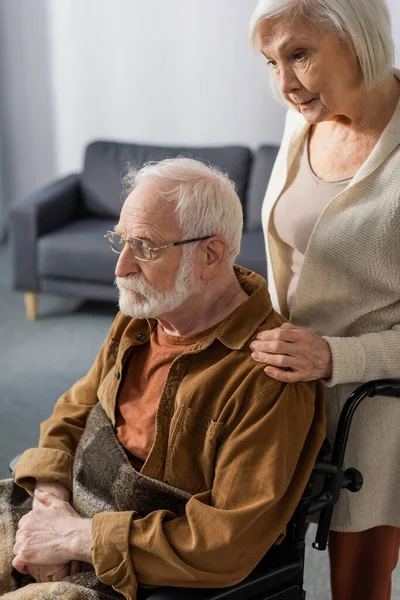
{"x": 365, "y": 358}
{"x": 60, "y": 434}
{"x": 262, "y": 467}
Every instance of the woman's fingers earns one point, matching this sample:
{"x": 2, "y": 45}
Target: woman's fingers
{"x": 284, "y": 376}
{"x": 306, "y": 354}
{"x": 290, "y": 333}
{"x": 274, "y": 347}
{"x": 281, "y": 361}
{"x": 290, "y": 326}
{"x": 287, "y": 369}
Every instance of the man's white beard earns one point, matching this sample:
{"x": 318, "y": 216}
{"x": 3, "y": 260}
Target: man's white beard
{"x": 151, "y": 303}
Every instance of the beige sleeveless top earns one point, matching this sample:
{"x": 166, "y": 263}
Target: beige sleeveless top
{"x": 296, "y": 214}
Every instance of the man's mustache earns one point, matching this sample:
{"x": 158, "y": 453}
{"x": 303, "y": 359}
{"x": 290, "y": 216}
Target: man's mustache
{"x": 133, "y": 284}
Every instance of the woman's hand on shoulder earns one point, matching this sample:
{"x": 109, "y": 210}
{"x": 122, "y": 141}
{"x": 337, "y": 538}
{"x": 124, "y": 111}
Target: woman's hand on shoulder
{"x": 293, "y": 354}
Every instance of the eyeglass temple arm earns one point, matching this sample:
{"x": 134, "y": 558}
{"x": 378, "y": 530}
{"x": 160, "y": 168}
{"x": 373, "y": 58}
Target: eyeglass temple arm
{"x": 207, "y": 237}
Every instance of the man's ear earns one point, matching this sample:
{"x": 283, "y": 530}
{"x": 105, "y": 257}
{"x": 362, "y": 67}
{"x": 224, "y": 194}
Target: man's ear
{"x": 213, "y": 256}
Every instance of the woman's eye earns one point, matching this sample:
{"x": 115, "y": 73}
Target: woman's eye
{"x": 271, "y": 63}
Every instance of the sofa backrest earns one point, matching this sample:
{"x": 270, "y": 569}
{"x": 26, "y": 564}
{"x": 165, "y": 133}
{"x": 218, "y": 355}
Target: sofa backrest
{"x": 106, "y": 162}
{"x": 263, "y": 162}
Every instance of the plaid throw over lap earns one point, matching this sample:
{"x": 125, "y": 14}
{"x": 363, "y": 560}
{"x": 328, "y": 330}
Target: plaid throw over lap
{"x": 103, "y": 481}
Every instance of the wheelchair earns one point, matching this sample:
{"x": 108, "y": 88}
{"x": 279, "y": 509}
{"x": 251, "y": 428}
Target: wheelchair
{"x": 280, "y": 574}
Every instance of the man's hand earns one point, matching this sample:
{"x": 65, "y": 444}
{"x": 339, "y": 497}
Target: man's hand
{"x": 293, "y": 354}
{"x": 54, "y": 487}
{"x": 52, "y": 535}
{"x": 44, "y": 573}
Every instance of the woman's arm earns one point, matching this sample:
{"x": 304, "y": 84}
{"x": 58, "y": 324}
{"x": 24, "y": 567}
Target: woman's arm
{"x": 365, "y": 358}
{"x": 297, "y": 354}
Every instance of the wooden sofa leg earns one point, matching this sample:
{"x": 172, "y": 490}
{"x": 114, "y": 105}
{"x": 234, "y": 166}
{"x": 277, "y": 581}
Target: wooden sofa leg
{"x": 31, "y": 305}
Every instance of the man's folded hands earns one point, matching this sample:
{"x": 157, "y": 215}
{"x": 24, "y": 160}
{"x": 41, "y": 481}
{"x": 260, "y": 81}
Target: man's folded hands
{"x": 52, "y": 538}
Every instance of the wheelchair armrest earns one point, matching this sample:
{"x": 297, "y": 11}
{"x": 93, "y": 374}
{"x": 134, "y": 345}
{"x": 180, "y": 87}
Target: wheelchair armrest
{"x": 386, "y": 387}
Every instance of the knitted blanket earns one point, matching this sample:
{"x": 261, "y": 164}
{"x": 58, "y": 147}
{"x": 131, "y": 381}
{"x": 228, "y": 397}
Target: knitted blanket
{"x": 103, "y": 481}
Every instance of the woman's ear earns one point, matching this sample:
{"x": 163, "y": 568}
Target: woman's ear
{"x": 213, "y": 256}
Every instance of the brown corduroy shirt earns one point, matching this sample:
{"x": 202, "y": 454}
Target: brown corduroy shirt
{"x": 242, "y": 443}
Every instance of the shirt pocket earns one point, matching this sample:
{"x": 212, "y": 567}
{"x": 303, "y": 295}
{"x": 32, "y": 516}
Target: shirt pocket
{"x": 192, "y": 448}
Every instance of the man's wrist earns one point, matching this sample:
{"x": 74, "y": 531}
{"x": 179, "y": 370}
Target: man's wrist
{"x": 81, "y": 541}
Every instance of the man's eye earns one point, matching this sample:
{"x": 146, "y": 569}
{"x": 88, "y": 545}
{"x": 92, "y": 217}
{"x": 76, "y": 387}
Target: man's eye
{"x": 299, "y": 55}
{"x": 271, "y": 63}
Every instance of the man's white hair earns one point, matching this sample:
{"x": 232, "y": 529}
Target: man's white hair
{"x": 365, "y": 24}
{"x": 206, "y": 200}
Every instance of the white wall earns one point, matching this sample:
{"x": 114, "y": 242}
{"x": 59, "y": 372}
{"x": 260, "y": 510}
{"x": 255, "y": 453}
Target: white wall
{"x": 176, "y": 72}
{"x": 395, "y": 10}
{"x": 156, "y": 71}
{"x": 26, "y": 121}
{"x": 153, "y": 71}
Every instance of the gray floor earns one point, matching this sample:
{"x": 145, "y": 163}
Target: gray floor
{"x": 40, "y": 360}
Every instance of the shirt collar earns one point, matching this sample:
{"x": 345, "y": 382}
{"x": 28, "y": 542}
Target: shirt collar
{"x": 238, "y": 327}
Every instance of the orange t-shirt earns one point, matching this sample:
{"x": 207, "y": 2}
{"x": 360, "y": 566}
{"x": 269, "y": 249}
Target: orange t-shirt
{"x": 141, "y": 390}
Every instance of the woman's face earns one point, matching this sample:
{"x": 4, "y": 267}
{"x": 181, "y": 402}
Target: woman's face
{"x": 316, "y": 71}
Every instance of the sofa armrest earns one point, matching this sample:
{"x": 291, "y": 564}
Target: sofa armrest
{"x": 48, "y": 209}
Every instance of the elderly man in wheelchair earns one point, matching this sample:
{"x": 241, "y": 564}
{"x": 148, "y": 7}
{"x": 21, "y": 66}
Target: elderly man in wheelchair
{"x": 176, "y": 468}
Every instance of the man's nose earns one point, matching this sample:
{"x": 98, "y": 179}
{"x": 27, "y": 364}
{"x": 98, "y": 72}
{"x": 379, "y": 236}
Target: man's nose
{"x": 127, "y": 263}
{"x": 288, "y": 81}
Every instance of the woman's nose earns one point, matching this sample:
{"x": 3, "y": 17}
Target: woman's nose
{"x": 288, "y": 81}
{"x": 127, "y": 263}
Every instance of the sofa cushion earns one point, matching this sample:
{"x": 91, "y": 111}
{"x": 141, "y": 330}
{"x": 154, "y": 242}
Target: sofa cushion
{"x": 78, "y": 251}
{"x": 252, "y": 253}
{"x": 106, "y": 162}
{"x": 263, "y": 163}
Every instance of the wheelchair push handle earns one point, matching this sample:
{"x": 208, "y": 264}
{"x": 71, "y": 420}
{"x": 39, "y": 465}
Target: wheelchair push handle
{"x": 351, "y": 479}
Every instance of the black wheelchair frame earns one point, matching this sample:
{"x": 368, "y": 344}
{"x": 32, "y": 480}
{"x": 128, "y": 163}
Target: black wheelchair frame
{"x": 280, "y": 574}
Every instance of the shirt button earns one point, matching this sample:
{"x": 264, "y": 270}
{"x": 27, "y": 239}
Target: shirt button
{"x": 140, "y": 336}
{"x": 117, "y": 374}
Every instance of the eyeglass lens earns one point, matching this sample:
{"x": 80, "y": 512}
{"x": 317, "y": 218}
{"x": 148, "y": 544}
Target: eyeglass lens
{"x": 138, "y": 247}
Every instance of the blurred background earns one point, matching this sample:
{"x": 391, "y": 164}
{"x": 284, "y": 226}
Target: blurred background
{"x": 172, "y": 73}
{"x": 177, "y": 72}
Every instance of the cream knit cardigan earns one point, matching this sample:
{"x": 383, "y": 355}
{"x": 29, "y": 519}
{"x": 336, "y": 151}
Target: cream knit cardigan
{"x": 349, "y": 292}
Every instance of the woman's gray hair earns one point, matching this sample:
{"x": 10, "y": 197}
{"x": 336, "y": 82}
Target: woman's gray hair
{"x": 366, "y": 24}
{"x": 205, "y": 197}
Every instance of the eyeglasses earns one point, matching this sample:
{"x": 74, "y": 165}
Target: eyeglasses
{"x": 139, "y": 248}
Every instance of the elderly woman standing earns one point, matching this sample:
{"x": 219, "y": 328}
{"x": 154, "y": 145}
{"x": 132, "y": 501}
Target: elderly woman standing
{"x": 331, "y": 220}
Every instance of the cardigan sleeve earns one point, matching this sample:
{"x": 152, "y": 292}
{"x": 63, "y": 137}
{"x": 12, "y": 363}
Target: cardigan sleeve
{"x": 375, "y": 355}
{"x": 365, "y": 358}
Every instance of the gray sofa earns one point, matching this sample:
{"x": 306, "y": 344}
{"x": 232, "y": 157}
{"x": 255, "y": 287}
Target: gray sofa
{"x": 57, "y": 234}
